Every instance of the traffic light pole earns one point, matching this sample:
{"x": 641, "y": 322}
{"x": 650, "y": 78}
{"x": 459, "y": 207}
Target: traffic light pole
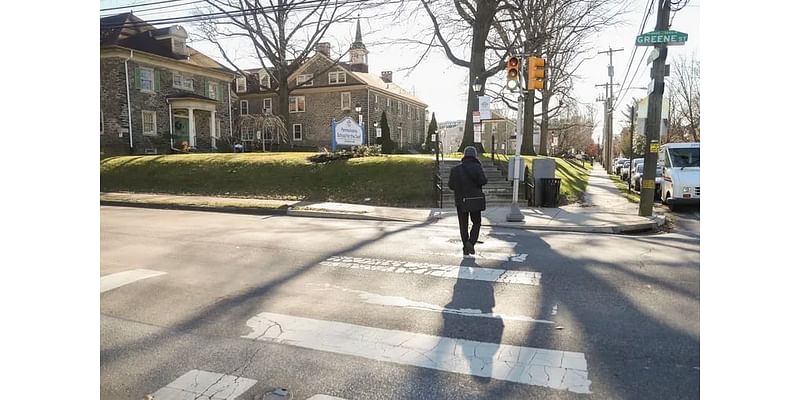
{"x": 514, "y": 214}
{"x": 653, "y": 126}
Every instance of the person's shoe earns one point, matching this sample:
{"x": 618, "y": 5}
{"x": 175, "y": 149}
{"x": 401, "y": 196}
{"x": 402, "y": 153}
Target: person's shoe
{"x": 470, "y": 248}
{"x": 466, "y": 250}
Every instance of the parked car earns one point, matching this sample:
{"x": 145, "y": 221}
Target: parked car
{"x": 637, "y": 178}
{"x": 681, "y": 181}
{"x": 631, "y": 168}
{"x": 618, "y": 165}
{"x": 625, "y": 171}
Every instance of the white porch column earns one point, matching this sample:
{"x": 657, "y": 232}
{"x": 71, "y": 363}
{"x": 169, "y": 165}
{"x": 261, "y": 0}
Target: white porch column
{"x": 192, "y": 133}
{"x": 213, "y": 129}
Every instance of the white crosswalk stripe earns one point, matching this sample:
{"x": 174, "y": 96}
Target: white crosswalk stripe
{"x": 113, "y": 281}
{"x": 532, "y": 366}
{"x": 441, "y": 271}
{"x": 204, "y": 385}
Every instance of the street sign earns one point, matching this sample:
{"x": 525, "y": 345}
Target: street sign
{"x": 669, "y": 38}
{"x": 476, "y": 117}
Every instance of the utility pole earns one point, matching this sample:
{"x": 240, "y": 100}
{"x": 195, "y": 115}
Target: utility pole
{"x": 653, "y": 125}
{"x": 610, "y": 106}
{"x": 604, "y": 99}
{"x": 632, "y": 132}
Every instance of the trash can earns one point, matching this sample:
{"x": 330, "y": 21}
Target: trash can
{"x": 550, "y": 191}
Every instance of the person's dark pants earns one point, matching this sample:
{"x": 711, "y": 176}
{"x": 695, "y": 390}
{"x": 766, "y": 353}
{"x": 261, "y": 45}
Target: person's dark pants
{"x": 463, "y": 217}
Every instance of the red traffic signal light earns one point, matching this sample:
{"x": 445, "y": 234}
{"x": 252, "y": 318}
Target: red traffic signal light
{"x": 512, "y": 72}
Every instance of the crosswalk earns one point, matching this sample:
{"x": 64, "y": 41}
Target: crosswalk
{"x": 553, "y": 369}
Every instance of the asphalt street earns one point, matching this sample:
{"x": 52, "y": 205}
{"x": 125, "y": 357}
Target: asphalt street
{"x": 240, "y": 305}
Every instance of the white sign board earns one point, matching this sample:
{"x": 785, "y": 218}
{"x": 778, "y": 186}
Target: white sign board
{"x": 477, "y": 130}
{"x": 349, "y": 133}
{"x": 476, "y": 117}
{"x": 483, "y": 106}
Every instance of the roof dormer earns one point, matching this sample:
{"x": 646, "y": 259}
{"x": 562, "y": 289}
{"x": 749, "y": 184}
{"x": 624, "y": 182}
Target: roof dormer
{"x": 173, "y": 38}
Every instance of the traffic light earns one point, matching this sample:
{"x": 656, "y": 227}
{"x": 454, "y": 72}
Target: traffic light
{"x": 535, "y": 73}
{"x": 512, "y": 73}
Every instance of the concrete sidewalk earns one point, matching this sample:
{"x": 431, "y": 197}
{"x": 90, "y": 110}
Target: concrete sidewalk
{"x": 604, "y": 210}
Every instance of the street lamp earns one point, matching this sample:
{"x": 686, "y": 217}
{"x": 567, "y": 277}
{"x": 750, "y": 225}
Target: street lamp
{"x": 477, "y": 86}
{"x": 360, "y": 121}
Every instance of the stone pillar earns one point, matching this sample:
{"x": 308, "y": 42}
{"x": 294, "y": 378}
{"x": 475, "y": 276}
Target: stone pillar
{"x": 213, "y": 129}
{"x": 192, "y": 133}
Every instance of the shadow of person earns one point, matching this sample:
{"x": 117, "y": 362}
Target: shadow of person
{"x": 469, "y": 318}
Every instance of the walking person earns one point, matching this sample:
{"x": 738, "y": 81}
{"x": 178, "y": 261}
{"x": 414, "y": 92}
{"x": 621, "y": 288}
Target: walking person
{"x": 466, "y": 180}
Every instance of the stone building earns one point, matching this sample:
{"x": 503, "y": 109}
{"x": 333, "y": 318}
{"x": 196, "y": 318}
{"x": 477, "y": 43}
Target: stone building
{"x": 158, "y": 95}
{"x": 502, "y": 129}
{"x": 323, "y": 89}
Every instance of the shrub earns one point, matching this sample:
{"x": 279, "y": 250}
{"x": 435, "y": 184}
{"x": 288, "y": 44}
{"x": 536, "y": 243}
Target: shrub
{"x": 344, "y": 154}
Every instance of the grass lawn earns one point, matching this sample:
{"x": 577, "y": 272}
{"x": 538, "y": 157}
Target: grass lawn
{"x": 387, "y": 181}
{"x": 633, "y": 197}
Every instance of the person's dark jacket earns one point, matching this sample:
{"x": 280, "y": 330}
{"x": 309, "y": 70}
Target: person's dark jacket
{"x": 466, "y": 179}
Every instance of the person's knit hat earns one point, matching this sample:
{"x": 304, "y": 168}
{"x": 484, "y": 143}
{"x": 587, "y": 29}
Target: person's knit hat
{"x": 470, "y": 151}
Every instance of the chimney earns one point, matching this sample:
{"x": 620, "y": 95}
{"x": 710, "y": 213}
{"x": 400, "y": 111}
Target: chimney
{"x": 386, "y": 76}
{"x": 324, "y": 48}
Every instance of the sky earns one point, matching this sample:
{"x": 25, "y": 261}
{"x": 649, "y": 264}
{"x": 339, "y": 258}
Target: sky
{"x": 442, "y": 85}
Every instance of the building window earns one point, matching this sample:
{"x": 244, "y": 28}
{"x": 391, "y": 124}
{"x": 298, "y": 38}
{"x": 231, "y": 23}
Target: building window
{"x": 247, "y": 134}
{"x": 149, "y": 123}
{"x": 376, "y": 100}
{"x": 213, "y": 90}
{"x": 346, "y": 101}
{"x": 182, "y": 81}
{"x": 297, "y": 132}
{"x": 266, "y": 81}
{"x": 336, "y": 77}
{"x": 179, "y": 46}
{"x": 241, "y": 84}
{"x": 388, "y": 103}
{"x": 297, "y": 104}
{"x": 269, "y": 135}
{"x": 305, "y": 80}
{"x": 146, "y": 79}
{"x": 267, "y": 106}
{"x": 243, "y": 107}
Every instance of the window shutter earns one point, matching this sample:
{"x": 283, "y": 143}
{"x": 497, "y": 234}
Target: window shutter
{"x": 137, "y": 81}
{"x": 156, "y": 80}
{"x": 219, "y": 92}
{"x": 205, "y": 92}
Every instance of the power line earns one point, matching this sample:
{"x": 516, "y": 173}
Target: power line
{"x": 139, "y": 5}
{"x": 302, "y": 5}
{"x": 633, "y": 55}
{"x": 160, "y": 7}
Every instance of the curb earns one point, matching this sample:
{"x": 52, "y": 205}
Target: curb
{"x": 232, "y": 210}
{"x": 340, "y": 215}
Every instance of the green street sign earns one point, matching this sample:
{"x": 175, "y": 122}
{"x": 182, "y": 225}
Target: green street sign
{"x": 670, "y": 38}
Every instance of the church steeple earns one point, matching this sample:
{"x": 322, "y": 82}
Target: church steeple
{"x": 358, "y": 52}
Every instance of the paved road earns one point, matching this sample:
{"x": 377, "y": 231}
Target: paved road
{"x": 239, "y": 305}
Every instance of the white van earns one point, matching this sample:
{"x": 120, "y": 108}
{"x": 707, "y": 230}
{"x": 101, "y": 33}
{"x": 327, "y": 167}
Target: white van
{"x": 681, "y": 177}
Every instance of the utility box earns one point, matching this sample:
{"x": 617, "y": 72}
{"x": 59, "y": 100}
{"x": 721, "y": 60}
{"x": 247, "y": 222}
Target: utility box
{"x": 514, "y": 162}
{"x": 542, "y": 169}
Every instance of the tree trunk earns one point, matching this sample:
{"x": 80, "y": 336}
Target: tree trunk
{"x": 544, "y": 124}
{"x": 484, "y": 14}
{"x": 528, "y": 125}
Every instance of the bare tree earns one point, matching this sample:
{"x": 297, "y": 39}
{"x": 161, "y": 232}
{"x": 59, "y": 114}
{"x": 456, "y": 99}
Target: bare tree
{"x": 282, "y": 33}
{"x": 684, "y": 94}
